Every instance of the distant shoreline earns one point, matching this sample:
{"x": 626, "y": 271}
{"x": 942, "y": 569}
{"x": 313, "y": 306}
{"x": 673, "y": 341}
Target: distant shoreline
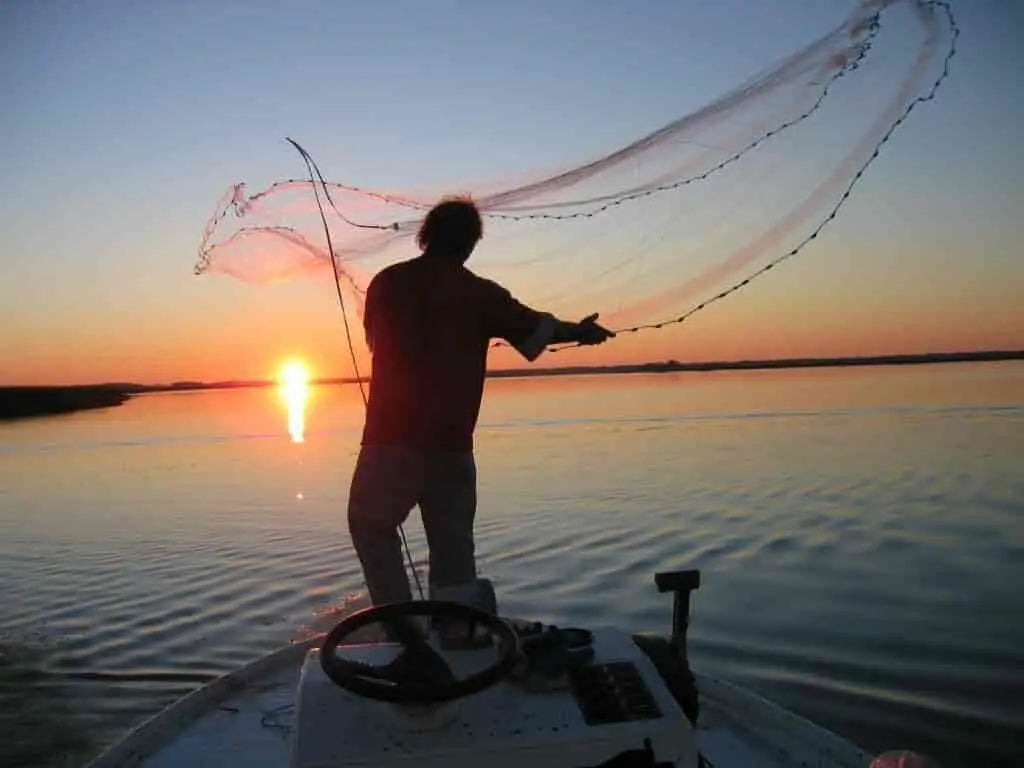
{"x": 25, "y": 402}
{"x": 28, "y": 401}
{"x": 670, "y": 366}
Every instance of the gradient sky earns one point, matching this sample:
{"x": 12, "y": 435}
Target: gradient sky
{"x": 124, "y": 122}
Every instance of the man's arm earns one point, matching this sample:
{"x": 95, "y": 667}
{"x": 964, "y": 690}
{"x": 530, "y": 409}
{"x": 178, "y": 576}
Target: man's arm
{"x": 369, "y": 310}
{"x": 530, "y": 331}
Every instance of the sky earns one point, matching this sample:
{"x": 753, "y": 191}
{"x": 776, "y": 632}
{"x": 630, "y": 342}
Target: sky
{"x": 124, "y": 122}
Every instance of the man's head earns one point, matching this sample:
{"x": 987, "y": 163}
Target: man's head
{"x": 451, "y": 229}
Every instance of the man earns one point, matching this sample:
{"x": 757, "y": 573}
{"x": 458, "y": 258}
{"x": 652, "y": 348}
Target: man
{"x": 429, "y": 322}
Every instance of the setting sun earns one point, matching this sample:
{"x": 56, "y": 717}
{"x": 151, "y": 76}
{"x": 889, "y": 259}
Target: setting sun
{"x": 294, "y": 375}
{"x": 294, "y": 378}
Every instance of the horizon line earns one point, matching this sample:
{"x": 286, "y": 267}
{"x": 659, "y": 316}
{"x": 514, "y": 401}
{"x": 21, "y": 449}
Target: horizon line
{"x": 663, "y": 366}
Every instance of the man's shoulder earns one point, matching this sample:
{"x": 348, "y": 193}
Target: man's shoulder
{"x": 413, "y": 273}
{"x": 482, "y": 285}
{"x": 393, "y": 270}
{"x": 391, "y": 278}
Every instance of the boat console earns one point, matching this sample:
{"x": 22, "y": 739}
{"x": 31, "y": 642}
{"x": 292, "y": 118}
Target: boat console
{"x": 609, "y": 706}
{"x": 616, "y": 703}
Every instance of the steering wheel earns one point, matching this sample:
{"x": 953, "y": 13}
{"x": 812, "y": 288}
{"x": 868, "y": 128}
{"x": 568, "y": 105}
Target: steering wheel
{"x": 370, "y": 681}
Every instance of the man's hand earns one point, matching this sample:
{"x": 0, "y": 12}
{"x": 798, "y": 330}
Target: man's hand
{"x": 586, "y": 331}
{"x": 589, "y": 332}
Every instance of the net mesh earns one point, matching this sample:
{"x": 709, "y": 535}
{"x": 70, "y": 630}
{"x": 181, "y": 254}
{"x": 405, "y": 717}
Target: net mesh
{"x": 653, "y": 231}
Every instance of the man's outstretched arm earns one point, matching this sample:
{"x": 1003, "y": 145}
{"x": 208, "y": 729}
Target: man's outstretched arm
{"x": 530, "y": 331}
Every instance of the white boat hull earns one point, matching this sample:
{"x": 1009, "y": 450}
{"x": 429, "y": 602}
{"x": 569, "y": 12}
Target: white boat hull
{"x": 248, "y": 718}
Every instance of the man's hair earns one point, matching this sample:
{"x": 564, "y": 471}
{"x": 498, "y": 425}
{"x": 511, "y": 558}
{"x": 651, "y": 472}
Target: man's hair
{"x": 453, "y": 224}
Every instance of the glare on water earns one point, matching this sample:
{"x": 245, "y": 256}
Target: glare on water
{"x": 294, "y": 387}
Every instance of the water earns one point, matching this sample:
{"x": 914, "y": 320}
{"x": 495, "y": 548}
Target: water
{"x": 860, "y": 533}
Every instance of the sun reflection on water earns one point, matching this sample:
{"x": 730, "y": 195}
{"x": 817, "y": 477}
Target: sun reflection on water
{"x": 295, "y": 391}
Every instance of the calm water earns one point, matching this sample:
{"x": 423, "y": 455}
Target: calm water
{"x": 860, "y": 532}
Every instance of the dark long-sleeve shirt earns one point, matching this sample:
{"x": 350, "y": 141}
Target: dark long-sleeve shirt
{"x": 429, "y": 322}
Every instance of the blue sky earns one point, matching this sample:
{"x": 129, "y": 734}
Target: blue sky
{"x": 123, "y": 123}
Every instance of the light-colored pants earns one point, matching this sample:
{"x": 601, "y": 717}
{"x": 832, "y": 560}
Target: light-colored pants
{"x": 388, "y": 482}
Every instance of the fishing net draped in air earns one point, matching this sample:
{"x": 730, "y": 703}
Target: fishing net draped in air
{"x": 657, "y": 229}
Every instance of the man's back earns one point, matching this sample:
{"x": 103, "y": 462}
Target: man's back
{"x": 429, "y": 321}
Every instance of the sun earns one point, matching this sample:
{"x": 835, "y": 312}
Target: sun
{"x": 294, "y": 376}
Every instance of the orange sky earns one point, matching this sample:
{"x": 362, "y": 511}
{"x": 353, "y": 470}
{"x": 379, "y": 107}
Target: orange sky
{"x": 254, "y": 344}
{"x": 858, "y": 294}
{"x": 112, "y": 174}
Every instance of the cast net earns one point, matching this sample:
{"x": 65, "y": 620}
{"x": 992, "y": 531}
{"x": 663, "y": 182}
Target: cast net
{"x": 655, "y": 230}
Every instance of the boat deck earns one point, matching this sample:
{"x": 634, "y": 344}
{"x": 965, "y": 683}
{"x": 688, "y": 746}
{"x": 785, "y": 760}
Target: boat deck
{"x": 248, "y": 718}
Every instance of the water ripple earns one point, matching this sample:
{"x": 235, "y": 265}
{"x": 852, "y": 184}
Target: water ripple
{"x": 860, "y": 558}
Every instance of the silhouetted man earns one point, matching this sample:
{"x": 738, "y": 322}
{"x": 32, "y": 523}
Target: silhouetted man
{"x": 429, "y": 322}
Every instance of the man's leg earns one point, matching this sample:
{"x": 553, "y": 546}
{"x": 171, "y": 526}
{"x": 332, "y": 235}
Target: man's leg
{"x": 385, "y": 486}
{"x": 448, "y": 506}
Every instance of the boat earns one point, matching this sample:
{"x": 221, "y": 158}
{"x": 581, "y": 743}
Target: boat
{"x": 527, "y": 694}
